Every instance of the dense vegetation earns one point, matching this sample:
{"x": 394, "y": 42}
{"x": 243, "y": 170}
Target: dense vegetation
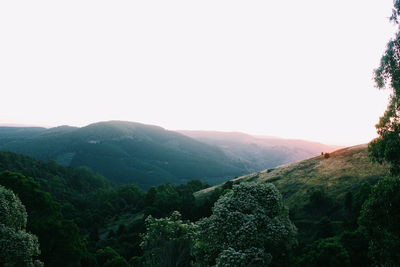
{"x": 386, "y": 148}
{"x": 96, "y": 223}
{"x": 81, "y": 219}
{"x": 249, "y": 226}
{"x": 17, "y": 247}
{"x": 328, "y": 200}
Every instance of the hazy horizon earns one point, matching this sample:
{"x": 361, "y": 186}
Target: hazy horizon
{"x": 177, "y": 130}
{"x": 298, "y": 70}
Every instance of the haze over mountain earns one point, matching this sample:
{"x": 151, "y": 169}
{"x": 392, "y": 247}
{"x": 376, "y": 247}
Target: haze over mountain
{"x": 260, "y": 152}
{"x": 124, "y": 151}
{"x": 148, "y": 155}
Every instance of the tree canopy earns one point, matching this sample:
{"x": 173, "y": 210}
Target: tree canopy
{"x": 380, "y": 218}
{"x": 386, "y": 148}
{"x": 17, "y": 247}
{"x": 249, "y": 227}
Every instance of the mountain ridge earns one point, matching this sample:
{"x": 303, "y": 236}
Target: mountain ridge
{"x": 260, "y": 152}
{"x": 127, "y": 152}
{"x": 149, "y": 155}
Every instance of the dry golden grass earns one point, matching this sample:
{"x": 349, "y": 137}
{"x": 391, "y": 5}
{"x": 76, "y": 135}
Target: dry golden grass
{"x": 344, "y": 170}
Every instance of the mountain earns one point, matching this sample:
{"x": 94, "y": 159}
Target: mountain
{"x": 318, "y": 187}
{"x": 260, "y": 152}
{"x": 125, "y": 152}
{"x": 10, "y": 134}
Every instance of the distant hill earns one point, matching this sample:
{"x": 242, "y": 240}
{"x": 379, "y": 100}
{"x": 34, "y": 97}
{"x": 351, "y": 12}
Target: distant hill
{"x": 10, "y": 134}
{"x": 260, "y": 152}
{"x": 125, "y": 152}
{"x": 346, "y": 172}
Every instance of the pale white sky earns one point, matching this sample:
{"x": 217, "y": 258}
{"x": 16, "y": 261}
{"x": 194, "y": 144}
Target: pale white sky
{"x": 296, "y": 69}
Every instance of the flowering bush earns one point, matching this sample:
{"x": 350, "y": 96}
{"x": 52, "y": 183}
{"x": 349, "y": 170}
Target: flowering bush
{"x": 249, "y": 227}
{"x": 17, "y": 247}
{"x": 167, "y": 241}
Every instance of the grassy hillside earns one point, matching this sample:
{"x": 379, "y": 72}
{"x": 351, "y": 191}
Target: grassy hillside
{"x": 260, "y": 152}
{"x": 318, "y": 187}
{"x": 127, "y": 152}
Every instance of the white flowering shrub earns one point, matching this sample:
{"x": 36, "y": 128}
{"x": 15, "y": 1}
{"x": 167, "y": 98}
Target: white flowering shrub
{"x": 168, "y": 241}
{"x": 249, "y": 227}
{"x": 17, "y": 247}
{"x": 249, "y": 257}
{"x": 12, "y": 212}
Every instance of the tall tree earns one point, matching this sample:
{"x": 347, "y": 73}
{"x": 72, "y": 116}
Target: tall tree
{"x": 17, "y": 247}
{"x": 386, "y": 148}
{"x": 380, "y": 214}
{"x": 249, "y": 227}
{"x": 60, "y": 240}
{"x": 167, "y": 241}
{"x": 380, "y": 220}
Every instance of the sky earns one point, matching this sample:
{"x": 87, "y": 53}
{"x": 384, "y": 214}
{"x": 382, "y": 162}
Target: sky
{"x": 293, "y": 69}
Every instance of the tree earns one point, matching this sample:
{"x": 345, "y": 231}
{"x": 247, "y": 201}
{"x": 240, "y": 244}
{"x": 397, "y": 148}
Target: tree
{"x": 249, "y": 227}
{"x": 356, "y": 245}
{"x": 60, "y": 240}
{"x": 386, "y": 148}
{"x": 108, "y": 257}
{"x": 380, "y": 219}
{"x": 17, "y": 247}
{"x": 160, "y": 201}
{"x": 167, "y": 241}
{"x": 327, "y": 252}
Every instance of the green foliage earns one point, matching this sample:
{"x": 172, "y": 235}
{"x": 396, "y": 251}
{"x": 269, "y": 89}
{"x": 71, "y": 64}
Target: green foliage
{"x": 324, "y": 228}
{"x": 60, "y": 241}
{"x": 356, "y": 245}
{"x": 94, "y": 206}
{"x": 108, "y": 257}
{"x": 109, "y": 202}
{"x": 63, "y": 183}
{"x": 160, "y": 201}
{"x": 327, "y": 252}
{"x": 386, "y": 148}
{"x": 17, "y": 247}
{"x": 168, "y": 241}
{"x": 12, "y": 212}
{"x": 380, "y": 219}
{"x": 318, "y": 200}
{"x": 250, "y": 222}
{"x": 249, "y": 257}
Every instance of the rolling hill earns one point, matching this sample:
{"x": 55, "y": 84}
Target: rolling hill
{"x": 344, "y": 170}
{"x": 125, "y": 152}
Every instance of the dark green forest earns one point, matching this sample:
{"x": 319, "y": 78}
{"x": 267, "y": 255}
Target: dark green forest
{"x": 82, "y": 219}
{"x": 78, "y": 214}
